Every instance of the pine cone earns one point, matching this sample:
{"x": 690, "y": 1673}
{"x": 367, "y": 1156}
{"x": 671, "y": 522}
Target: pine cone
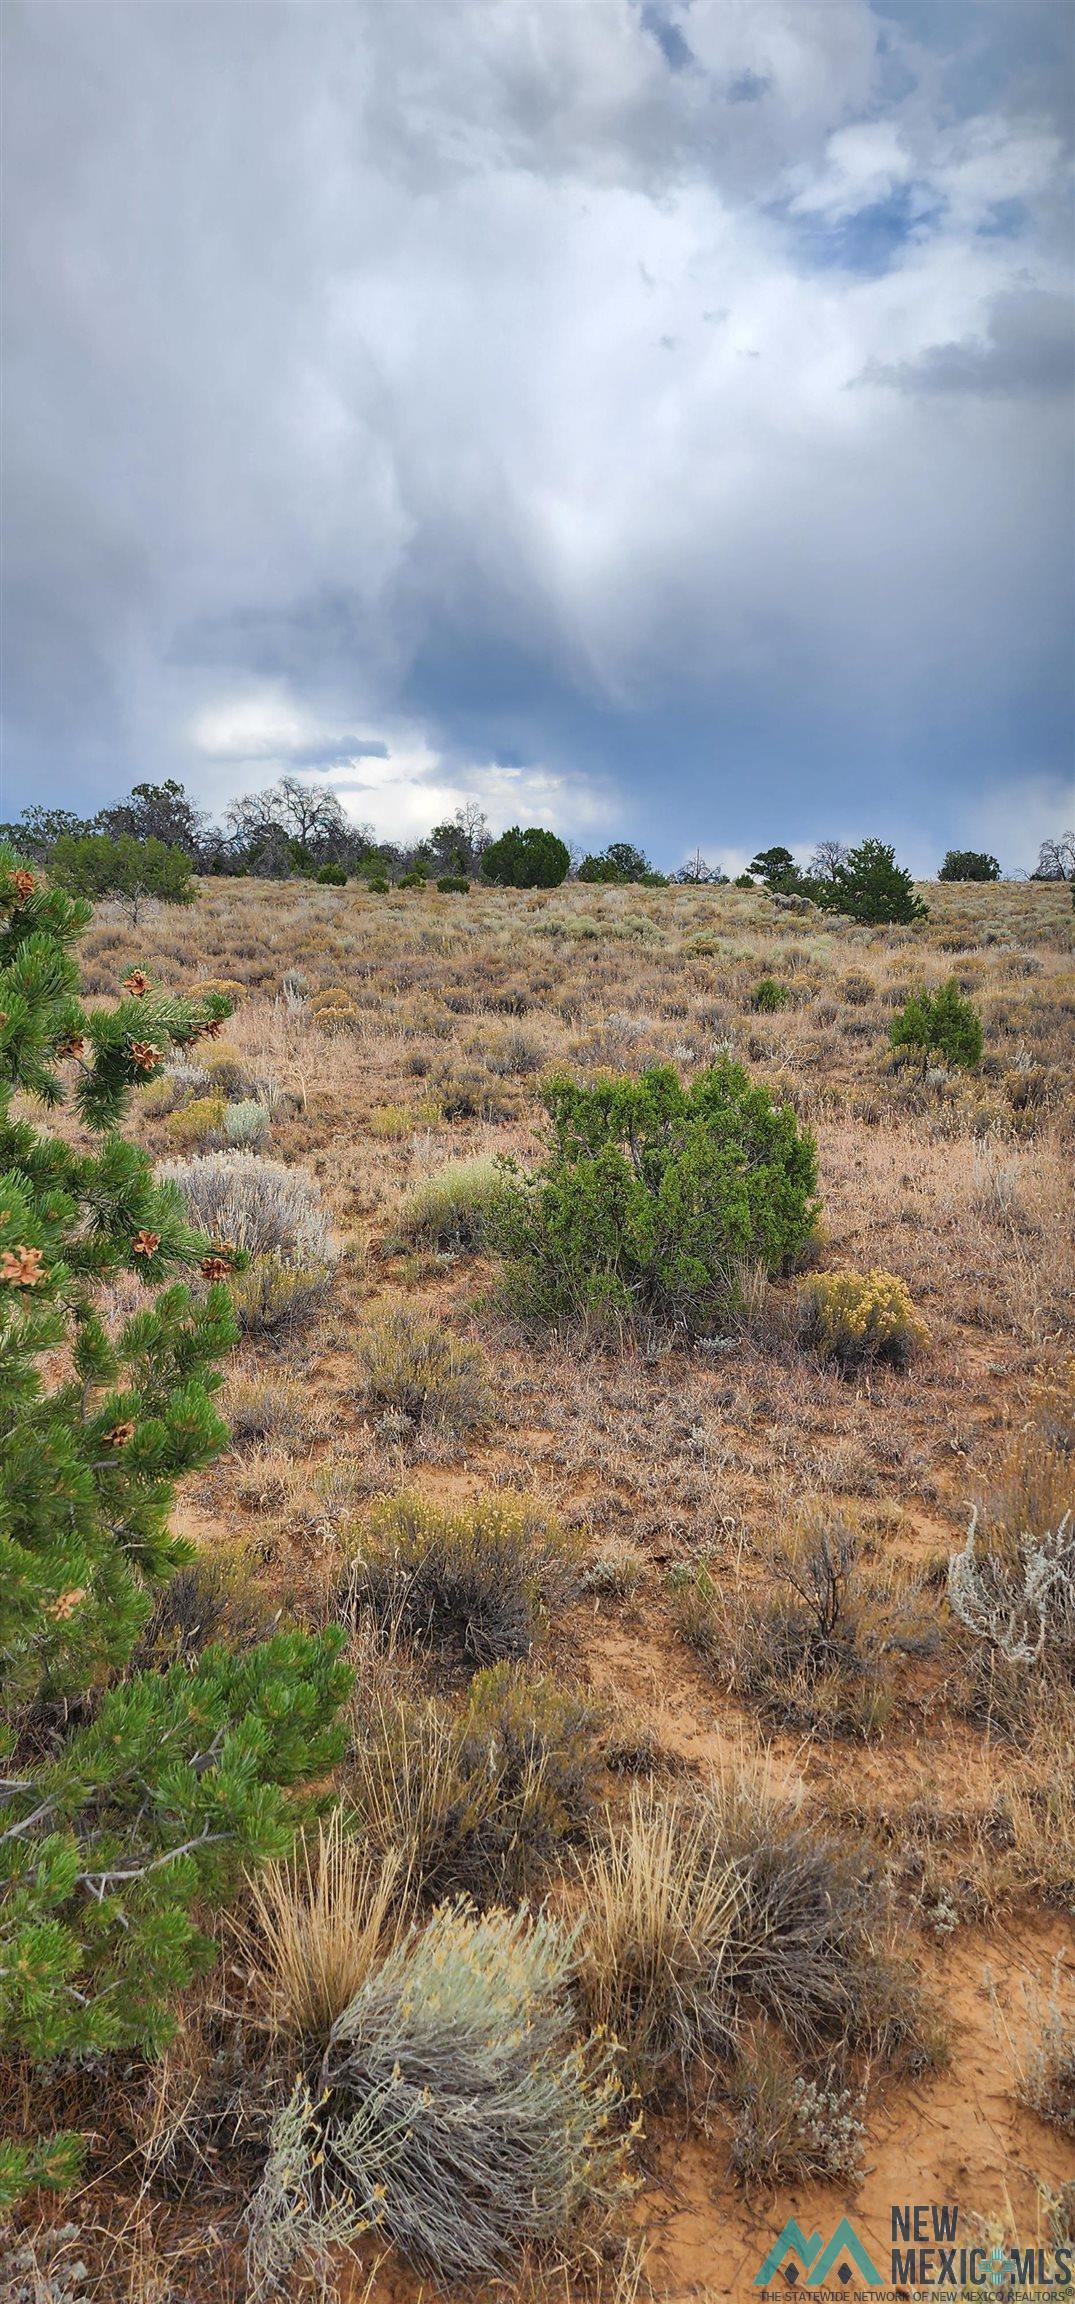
{"x": 22, "y": 1267}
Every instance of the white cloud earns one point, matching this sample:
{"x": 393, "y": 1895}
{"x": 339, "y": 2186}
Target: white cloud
{"x": 396, "y": 779}
{"x": 863, "y": 165}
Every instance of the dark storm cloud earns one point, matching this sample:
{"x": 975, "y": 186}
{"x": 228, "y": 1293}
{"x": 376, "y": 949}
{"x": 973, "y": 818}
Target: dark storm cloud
{"x": 476, "y": 378}
{"x": 1030, "y": 352}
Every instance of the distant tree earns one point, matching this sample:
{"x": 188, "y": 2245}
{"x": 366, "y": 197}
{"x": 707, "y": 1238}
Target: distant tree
{"x": 94, "y": 865}
{"x": 473, "y": 835}
{"x": 456, "y": 847}
{"x": 870, "y": 886}
{"x": 969, "y": 864}
{"x": 1056, "y": 859}
{"x": 39, "y": 828}
{"x": 295, "y": 827}
{"x": 826, "y": 859}
{"x": 620, "y": 862}
{"x": 778, "y": 869}
{"x": 154, "y": 812}
{"x": 531, "y": 859}
{"x": 696, "y": 873}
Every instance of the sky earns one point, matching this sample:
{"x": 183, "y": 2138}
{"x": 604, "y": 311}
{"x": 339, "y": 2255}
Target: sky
{"x": 652, "y": 418}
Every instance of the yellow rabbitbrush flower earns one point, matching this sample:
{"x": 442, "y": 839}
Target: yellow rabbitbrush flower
{"x": 856, "y": 1318}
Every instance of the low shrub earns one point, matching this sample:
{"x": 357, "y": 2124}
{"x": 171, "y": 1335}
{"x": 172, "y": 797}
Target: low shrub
{"x": 377, "y": 885}
{"x": 654, "y": 1198}
{"x": 473, "y": 1584}
{"x": 229, "y": 1076}
{"x": 209, "y": 1600}
{"x": 456, "y": 2109}
{"x": 939, "y": 1026}
{"x": 815, "y": 1642}
{"x": 247, "y": 1125}
{"x": 199, "y": 1122}
{"x": 812, "y": 1949}
{"x": 455, "y": 1209}
{"x": 453, "y": 884}
{"x": 411, "y": 880}
{"x": 228, "y": 985}
{"x": 332, "y": 876}
{"x": 467, "y": 1090}
{"x": 1019, "y": 1598}
{"x": 260, "y": 1407}
{"x": 514, "y": 1052}
{"x": 274, "y": 1295}
{"x": 415, "y": 1368}
{"x": 335, "y": 1016}
{"x": 789, "y": 2129}
{"x": 1046, "y": 2073}
{"x": 483, "y": 1800}
{"x": 856, "y": 1319}
{"x": 769, "y": 996}
{"x": 178, "y": 1082}
{"x": 258, "y": 1205}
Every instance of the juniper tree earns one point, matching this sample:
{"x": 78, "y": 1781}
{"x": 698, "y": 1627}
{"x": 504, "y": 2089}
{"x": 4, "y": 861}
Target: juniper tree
{"x": 128, "y": 1801}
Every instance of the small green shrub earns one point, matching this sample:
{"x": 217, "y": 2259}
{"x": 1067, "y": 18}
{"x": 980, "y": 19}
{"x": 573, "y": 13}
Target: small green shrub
{"x": 411, "y": 880}
{"x": 415, "y": 1368}
{"x": 455, "y": 1209}
{"x": 377, "y": 885}
{"x": 332, "y": 876}
{"x": 535, "y": 858}
{"x": 939, "y": 1025}
{"x": 453, "y": 884}
{"x": 95, "y": 865}
{"x": 654, "y": 1198}
{"x": 471, "y": 1584}
{"x": 769, "y": 996}
{"x": 457, "y": 2110}
{"x": 857, "y": 1318}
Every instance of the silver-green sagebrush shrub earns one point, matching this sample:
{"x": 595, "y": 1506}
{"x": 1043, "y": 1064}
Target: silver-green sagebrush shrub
{"x": 457, "y": 2110}
{"x": 258, "y": 1205}
{"x": 276, "y": 1216}
{"x": 1019, "y": 1600}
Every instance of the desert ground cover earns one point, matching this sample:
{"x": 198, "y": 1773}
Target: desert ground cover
{"x": 657, "y": 1634}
